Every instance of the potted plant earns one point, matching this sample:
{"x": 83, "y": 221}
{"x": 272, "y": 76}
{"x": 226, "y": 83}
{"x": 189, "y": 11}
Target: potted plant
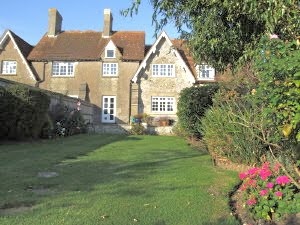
{"x": 164, "y": 121}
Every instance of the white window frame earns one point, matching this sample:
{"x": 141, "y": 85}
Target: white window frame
{"x": 110, "y": 69}
{"x": 9, "y": 67}
{"x": 206, "y": 72}
{"x": 163, "y": 70}
{"x": 161, "y": 104}
{"x": 63, "y": 69}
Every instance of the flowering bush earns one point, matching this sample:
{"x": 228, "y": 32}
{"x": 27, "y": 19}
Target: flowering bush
{"x": 269, "y": 194}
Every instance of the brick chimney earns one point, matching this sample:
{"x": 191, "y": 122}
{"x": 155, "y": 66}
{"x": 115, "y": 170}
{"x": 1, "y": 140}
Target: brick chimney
{"x": 54, "y": 22}
{"x": 108, "y": 20}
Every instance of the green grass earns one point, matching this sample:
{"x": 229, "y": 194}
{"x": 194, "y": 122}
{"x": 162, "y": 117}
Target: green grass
{"x": 113, "y": 180}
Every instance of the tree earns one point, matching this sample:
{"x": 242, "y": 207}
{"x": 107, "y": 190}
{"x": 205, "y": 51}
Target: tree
{"x": 224, "y": 32}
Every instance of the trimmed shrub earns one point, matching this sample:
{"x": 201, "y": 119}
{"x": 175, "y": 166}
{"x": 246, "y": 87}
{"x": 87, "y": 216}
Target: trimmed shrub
{"x": 192, "y": 104}
{"x": 23, "y": 112}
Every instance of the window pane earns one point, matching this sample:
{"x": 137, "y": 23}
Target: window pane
{"x": 155, "y": 70}
{"x": 110, "y": 53}
{"x": 63, "y": 68}
{"x": 162, "y": 104}
{"x": 110, "y": 69}
{"x": 163, "y": 70}
{"x": 9, "y": 67}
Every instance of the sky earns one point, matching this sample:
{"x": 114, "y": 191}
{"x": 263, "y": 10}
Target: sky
{"x": 29, "y": 18}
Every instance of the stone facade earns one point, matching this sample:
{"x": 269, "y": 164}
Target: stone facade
{"x": 152, "y": 86}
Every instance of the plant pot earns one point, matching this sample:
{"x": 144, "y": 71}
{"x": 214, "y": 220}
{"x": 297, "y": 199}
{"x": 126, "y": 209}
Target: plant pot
{"x": 164, "y": 123}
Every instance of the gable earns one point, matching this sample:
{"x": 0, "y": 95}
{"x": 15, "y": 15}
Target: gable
{"x": 110, "y": 51}
{"x": 163, "y": 48}
{"x": 21, "y": 47}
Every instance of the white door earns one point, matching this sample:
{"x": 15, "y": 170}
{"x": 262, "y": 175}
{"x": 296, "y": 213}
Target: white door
{"x": 108, "y": 109}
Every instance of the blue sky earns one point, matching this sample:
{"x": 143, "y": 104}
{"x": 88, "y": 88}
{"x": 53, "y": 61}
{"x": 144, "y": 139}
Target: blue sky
{"x": 29, "y": 19}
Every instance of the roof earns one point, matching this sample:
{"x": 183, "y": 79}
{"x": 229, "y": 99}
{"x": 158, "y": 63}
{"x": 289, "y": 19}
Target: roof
{"x": 180, "y": 50}
{"x": 88, "y": 45}
{"x": 24, "y": 47}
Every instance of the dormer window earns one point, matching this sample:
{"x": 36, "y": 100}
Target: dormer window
{"x": 206, "y": 72}
{"x": 110, "y": 50}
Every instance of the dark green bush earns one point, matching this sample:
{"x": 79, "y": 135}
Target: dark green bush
{"x": 22, "y": 112}
{"x": 192, "y": 104}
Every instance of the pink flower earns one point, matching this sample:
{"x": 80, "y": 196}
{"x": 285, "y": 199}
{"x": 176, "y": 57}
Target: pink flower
{"x": 278, "y": 194}
{"x": 263, "y": 192}
{"x": 264, "y": 173}
{"x": 273, "y": 36}
{"x": 270, "y": 185}
{"x": 253, "y": 171}
{"x": 243, "y": 175}
{"x": 282, "y": 180}
{"x": 252, "y": 183}
{"x": 251, "y": 201}
{"x": 265, "y": 165}
{"x": 276, "y": 167}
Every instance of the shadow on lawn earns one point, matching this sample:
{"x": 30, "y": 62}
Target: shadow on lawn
{"x": 223, "y": 221}
{"x": 22, "y": 162}
{"x": 79, "y": 173}
{"x": 130, "y": 176}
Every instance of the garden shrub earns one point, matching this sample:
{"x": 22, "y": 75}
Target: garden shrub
{"x": 23, "y": 112}
{"x": 137, "y": 129}
{"x": 277, "y": 65}
{"x": 260, "y": 117}
{"x": 192, "y": 104}
{"x": 230, "y": 130}
{"x": 66, "y": 121}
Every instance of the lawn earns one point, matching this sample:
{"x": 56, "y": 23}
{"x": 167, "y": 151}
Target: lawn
{"x": 112, "y": 180}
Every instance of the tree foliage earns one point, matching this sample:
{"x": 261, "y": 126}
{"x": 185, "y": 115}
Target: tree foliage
{"x": 221, "y": 32}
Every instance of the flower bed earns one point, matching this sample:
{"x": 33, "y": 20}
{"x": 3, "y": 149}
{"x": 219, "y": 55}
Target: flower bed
{"x": 268, "y": 194}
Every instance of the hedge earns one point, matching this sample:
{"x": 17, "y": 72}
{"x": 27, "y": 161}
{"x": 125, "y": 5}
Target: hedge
{"x": 23, "y": 112}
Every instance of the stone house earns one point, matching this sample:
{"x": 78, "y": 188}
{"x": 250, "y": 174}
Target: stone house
{"x": 113, "y": 70}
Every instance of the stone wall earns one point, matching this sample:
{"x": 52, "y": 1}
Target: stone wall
{"x": 89, "y": 111}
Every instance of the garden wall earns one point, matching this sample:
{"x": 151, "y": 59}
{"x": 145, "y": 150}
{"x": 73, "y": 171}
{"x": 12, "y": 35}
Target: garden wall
{"x": 89, "y": 111}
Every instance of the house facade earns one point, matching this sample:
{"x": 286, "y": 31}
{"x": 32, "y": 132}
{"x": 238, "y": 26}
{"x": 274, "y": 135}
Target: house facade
{"x": 113, "y": 70}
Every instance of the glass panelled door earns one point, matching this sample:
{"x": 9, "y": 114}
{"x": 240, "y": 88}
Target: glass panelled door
{"x": 108, "y": 109}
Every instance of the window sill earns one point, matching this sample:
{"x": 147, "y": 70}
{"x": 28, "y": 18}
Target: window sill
{"x": 9, "y": 74}
{"x": 205, "y": 78}
{"x": 63, "y": 76}
{"x": 163, "y": 76}
{"x": 110, "y": 76}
